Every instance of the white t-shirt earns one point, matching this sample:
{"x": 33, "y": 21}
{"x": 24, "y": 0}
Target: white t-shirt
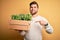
{"x": 35, "y": 29}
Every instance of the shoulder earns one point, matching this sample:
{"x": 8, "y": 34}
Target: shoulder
{"x": 42, "y": 18}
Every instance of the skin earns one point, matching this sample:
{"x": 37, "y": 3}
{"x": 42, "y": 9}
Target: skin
{"x": 33, "y": 11}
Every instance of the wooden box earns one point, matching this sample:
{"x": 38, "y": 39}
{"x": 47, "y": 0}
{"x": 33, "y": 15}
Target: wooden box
{"x": 19, "y": 24}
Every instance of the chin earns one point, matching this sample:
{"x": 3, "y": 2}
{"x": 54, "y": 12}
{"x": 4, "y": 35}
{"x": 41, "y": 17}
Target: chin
{"x": 33, "y": 13}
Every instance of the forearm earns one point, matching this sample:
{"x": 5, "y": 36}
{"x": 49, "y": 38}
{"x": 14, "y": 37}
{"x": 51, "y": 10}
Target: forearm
{"x": 49, "y": 28}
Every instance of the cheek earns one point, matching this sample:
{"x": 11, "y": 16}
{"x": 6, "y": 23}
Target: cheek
{"x": 36, "y": 9}
{"x": 30, "y": 8}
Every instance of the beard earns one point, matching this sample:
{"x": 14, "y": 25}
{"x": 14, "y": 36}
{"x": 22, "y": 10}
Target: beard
{"x": 33, "y": 13}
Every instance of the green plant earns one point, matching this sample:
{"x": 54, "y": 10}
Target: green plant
{"x": 14, "y": 17}
{"x": 26, "y": 17}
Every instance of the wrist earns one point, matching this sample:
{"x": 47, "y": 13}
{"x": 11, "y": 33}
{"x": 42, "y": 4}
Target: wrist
{"x": 46, "y": 24}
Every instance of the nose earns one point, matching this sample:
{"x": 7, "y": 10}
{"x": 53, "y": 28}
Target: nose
{"x": 32, "y": 8}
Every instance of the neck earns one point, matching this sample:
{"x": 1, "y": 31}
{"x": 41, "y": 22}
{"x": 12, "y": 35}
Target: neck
{"x": 35, "y": 15}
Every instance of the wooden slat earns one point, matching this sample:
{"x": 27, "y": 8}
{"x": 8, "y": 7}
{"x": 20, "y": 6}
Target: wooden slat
{"x": 19, "y": 25}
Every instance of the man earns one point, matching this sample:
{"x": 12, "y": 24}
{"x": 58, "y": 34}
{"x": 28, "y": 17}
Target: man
{"x": 37, "y": 23}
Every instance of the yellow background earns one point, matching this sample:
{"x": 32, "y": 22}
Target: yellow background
{"x": 50, "y": 9}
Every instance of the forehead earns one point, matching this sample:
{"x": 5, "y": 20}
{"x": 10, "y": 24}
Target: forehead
{"x": 33, "y": 5}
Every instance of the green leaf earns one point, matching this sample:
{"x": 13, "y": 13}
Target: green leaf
{"x": 26, "y": 17}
